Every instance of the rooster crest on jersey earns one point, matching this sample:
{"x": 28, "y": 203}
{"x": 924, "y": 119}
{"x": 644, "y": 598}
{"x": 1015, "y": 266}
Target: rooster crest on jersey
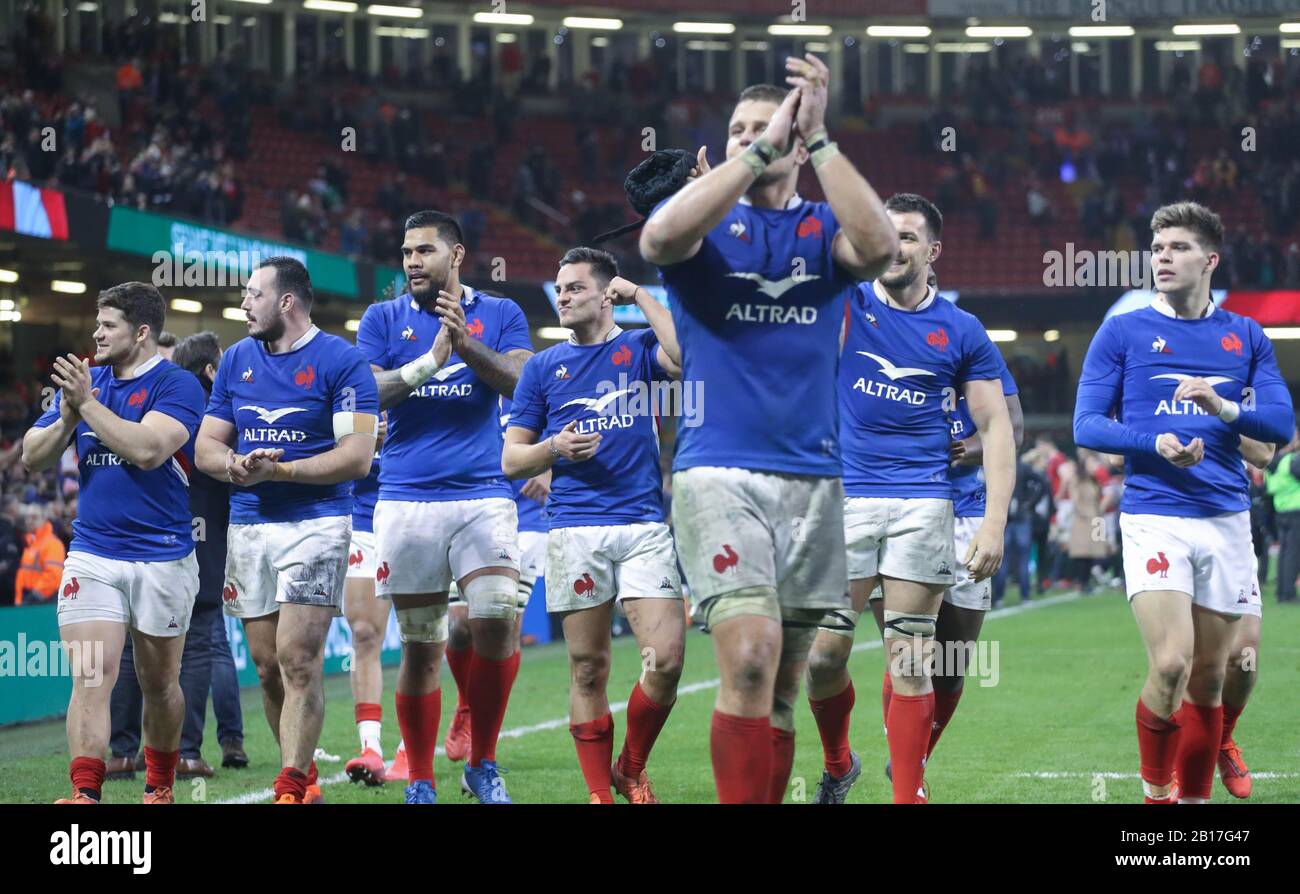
{"x": 1158, "y": 565}
{"x": 71, "y": 589}
{"x": 229, "y": 593}
{"x": 1231, "y": 342}
{"x": 381, "y": 573}
{"x": 725, "y": 560}
{"x": 137, "y": 399}
{"x": 356, "y": 558}
{"x": 305, "y": 377}
{"x": 584, "y": 585}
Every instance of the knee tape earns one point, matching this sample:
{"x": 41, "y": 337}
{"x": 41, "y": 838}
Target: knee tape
{"x": 426, "y": 624}
{"x": 905, "y": 625}
{"x": 761, "y": 601}
{"x": 841, "y": 622}
{"x": 492, "y": 596}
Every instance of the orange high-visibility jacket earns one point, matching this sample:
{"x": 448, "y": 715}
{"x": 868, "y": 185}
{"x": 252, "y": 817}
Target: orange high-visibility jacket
{"x": 42, "y": 564}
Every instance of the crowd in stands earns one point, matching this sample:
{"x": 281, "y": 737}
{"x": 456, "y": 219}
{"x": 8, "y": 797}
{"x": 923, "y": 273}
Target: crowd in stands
{"x": 1226, "y": 137}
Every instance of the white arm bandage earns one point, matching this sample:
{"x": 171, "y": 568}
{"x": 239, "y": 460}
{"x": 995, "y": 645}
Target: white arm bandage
{"x": 419, "y": 370}
{"x": 355, "y": 424}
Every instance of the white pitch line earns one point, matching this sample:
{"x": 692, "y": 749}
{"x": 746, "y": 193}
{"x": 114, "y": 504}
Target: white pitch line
{"x": 618, "y": 707}
{"x": 1061, "y": 774}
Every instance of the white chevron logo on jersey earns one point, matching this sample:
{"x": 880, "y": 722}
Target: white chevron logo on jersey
{"x": 596, "y": 404}
{"x": 1182, "y": 377}
{"x": 443, "y": 374}
{"x": 271, "y": 417}
{"x": 779, "y": 287}
{"x": 895, "y": 372}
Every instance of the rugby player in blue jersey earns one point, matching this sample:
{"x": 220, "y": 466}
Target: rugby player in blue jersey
{"x": 587, "y": 410}
{"x": 291, "y": 422}
{"x": 1173, "y": 387}
{"x": 757, "y": 280}
{"x": 131, "y": 567}
{"x": 909, "y": 358}
{"x": 441, "y": 354}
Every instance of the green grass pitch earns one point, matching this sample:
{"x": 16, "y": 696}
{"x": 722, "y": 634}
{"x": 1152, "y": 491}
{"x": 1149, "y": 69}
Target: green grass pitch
{"x": 1056, "y": 727}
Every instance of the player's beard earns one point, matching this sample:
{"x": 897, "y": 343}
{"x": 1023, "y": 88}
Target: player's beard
{"x": 901, "y": 280}
{"x": 435, "y": 282}
{"x": 270, "y": 332}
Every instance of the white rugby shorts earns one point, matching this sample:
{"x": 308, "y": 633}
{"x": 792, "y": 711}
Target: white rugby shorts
{"x": 907, "y": 538}
{"x": 966, "y": 592}
{"x": 425, "y": 545}
{"x": 592, "y": 564}
{"x": 738, "y": 528}
{"x": 155, "y": 598}
{"x": 300, "y": 562}
{"x": 1210, "y": 559}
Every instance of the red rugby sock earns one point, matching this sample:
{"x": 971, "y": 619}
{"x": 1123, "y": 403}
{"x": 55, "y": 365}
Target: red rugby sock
{"x": 741, "y": 750}
{"x": 489, "y": 693}
{"x": 644, "y": 721}
{"x": 910, "y": 718}
{"x": 1230, "y": 715}
{"x": 945, "y": 703}
{"x": 1198, "y": 749}
{"x": 459, "y": 661}
{"x": 594, "y": 740}
{"x": 87, "y": 775}
{"x": 1157, "y": 746}
{"x": 159, "y": 768}
{"x": 418, "y": 717}
{"x": 292, "y": 781}
{"x": 782, "y": 761}
{"x": 832, "y": 716}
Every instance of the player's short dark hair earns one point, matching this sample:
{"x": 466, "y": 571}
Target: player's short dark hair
{"x": 762, "y": 93}
{"x": 448, "y": 228}
{"x": 1189, "y": 215}
{"x": 603, "y": 264}
{"x": 167, "y": 340}
{"x": 903, "y": 202}
{"x": 291, "y": 276}
{"x": 140, "y": 303}
{"x": 195, "y": 352}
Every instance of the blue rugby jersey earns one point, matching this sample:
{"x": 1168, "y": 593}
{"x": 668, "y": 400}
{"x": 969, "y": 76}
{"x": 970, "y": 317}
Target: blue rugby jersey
{"x": 288, "y": 401}
{"x": 901, "y": 372}
{"x": 758, "y": 311}
{"x": 1125, "y": 402}
{"x": 124, "y": 511}
{"x": 444, "y": 441}
{"x": 606, "y": 389}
